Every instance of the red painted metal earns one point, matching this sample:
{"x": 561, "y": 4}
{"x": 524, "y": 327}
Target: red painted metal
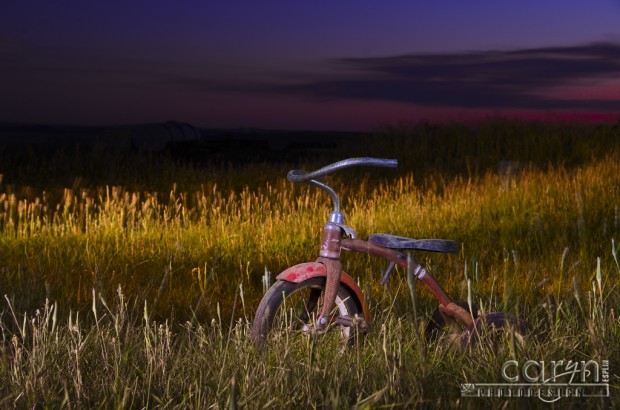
{"x": 303, "y": 271}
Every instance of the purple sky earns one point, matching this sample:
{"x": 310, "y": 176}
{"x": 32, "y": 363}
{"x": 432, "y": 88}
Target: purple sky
{"x": 306, "y": 65}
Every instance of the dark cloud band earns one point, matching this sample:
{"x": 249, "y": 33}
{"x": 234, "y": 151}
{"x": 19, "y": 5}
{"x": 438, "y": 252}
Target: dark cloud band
{"x": 494, "y": 79}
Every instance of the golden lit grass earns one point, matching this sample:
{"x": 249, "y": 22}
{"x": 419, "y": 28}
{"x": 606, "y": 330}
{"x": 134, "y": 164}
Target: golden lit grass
{"x": 138, "y": 284}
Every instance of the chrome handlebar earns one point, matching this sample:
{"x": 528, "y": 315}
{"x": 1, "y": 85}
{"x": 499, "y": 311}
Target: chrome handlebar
{"x": 314, "y": 177}
{"x": 297, "y": 175}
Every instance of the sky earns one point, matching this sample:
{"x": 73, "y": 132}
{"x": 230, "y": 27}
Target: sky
{"x": 321, "y": 65}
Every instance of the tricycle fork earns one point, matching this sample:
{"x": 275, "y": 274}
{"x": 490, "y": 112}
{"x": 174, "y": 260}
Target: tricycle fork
{"x": 334, "y": 271}
{"x": 330, "y": 258}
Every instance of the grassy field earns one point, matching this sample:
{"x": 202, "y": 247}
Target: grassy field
{"x": 131, "y": 279}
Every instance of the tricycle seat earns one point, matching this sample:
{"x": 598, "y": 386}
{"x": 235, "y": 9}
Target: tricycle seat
{"x": 399, "y": 242}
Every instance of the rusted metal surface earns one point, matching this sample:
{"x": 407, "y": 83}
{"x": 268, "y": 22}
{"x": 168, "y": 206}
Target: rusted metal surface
{"x": 330, "y": 257}
{"x": 334, "y": 271}
{"x": 330, "y": 241}
{"x": 304, "y": 271}
{"x": 454, "y": 311}
{"x": 358, "y": 245}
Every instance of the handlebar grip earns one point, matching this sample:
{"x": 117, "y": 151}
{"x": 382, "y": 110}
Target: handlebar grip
{"x": 297, "y": 175}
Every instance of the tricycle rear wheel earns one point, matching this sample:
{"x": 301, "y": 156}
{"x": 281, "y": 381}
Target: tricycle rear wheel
{"x": 493, "y": 324}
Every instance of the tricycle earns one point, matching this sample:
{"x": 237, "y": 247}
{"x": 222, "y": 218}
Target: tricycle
{"x": 317, "y": 297}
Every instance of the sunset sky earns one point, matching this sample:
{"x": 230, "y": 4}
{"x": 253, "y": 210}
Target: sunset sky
{"x": 322, "y": 65}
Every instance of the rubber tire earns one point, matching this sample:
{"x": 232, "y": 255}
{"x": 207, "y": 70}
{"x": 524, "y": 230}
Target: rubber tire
{"x": 495, "y": 322}
{"x": 270, "y": 305}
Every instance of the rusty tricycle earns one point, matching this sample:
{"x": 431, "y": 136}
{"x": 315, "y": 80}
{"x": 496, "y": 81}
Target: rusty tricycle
{"x": 317, "y": 297}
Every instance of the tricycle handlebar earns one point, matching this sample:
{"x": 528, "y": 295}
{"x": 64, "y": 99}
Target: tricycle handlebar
{"x": 297, "y": 175}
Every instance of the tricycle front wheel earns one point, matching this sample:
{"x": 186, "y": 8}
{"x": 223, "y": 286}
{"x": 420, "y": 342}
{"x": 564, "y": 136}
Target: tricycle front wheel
{"x": 290, "y": 308}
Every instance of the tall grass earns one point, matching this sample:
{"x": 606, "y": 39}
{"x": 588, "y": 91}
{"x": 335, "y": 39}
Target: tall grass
{"x": 134, "y": 285}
